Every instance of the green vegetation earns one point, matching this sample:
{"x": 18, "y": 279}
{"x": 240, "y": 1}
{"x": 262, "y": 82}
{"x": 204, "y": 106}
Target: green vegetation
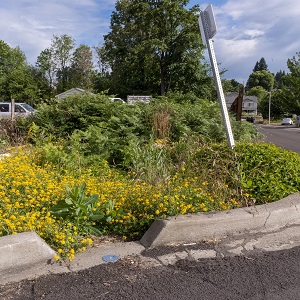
{"x": 85, "y": 166}
{"x": 90, "y": 167}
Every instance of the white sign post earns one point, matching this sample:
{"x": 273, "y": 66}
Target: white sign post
{"x": 208, "y": 29}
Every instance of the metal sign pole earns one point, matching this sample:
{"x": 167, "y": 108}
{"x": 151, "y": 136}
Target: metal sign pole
{"x": 208, "y": 30}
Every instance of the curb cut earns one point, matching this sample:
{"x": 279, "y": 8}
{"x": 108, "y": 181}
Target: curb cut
{"x": 203, "y": 226}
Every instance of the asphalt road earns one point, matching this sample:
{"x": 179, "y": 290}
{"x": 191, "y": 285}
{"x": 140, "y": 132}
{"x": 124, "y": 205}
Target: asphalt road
{"x": 264, "y": 276}
{"x": 284, "y": 136}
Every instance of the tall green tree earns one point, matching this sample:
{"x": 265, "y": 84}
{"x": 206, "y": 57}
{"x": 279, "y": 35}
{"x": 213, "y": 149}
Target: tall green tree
{"x": 82, "y": 67}
{"x": 46, "y": 68}
{"x": 54, "y": 64}
{"x": 154, "y": 47}
{"x": 258, "y": 92}
{"x": 16, "y": 80}
{"x": 231, "y": 85}
{"x": 263, "y": 78}
{"x": 279, "y": 78}
{"x": 62, "y": 48}
{"x": 291, "y": 85}
{"x": 278, "y": 105}
{"x": 261, "y": 65}
{"x": 101, "y": 76}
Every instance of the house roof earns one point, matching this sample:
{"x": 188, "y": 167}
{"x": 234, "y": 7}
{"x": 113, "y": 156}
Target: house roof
{"x": 70, "y": 93}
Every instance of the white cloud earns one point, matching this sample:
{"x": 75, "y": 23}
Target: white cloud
{"x": 31, "y": 24}
{"x": 247, "y": 30}
{"x": 251, "y": 29}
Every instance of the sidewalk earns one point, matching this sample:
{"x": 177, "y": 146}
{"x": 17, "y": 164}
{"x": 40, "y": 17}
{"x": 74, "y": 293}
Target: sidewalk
{"x": 270, "y": 227}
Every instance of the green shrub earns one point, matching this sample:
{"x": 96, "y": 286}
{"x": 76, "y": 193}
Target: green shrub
{"x": 254, "y": 173}
{"x": 268, "y": 172}
{"x": 107, "y": 129}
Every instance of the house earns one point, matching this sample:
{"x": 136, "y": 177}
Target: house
{"x": 70, "y": 92}
{"x": 249, "y": 103}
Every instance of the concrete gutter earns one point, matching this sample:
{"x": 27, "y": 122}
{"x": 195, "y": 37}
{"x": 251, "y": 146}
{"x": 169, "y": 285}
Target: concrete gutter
{"x": 203, "y": 226}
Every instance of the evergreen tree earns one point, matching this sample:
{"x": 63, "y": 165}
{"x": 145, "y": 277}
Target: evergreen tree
{"x": 261, "y": 65}
{"x": 279, "y": 77}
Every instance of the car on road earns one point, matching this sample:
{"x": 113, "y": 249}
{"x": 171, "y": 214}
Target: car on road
{"x": 287, "y": 121}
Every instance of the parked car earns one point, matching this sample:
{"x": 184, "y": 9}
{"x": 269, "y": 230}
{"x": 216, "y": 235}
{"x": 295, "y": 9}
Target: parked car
{"x": 21, "y": 110}
{"x": 287, "y": 121}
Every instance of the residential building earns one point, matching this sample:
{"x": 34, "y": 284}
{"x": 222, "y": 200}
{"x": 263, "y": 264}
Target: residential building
{"x": 70, "y": 92}
{"x": 249, "y": 103}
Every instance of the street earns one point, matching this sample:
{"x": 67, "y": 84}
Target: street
{"x": 272, "y": 275}
{"x": 287, "y": 137}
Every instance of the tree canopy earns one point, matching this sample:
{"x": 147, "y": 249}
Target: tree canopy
{"x": 154, "y": 47}
{"x": 62, "y": 66}
{"x": 291, "y": 85}
{"x": 261, "y": 65}
{"x": 263, "y": 78}
{"x": 16, "y": 78}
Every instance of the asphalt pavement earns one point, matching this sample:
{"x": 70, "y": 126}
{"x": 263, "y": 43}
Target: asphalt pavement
{"x": 284, "y": 136}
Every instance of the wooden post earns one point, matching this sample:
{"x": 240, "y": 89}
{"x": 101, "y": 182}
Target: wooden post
{"x": 12, "y": 106}
{"x": 239, "y": 107}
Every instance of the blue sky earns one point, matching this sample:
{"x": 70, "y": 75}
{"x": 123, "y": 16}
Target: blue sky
{"x": 247, "y": 30}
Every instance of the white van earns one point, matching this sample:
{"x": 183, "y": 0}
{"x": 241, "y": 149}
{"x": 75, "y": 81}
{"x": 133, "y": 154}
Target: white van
{"x": 21, "y": 110}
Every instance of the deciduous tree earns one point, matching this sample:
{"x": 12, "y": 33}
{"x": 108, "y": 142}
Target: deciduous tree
{"x": 291, "y": 86}
{"x": 62, "y": 48}
{"x": 16, "y": 80}
{"x": 154, "y": 47}
{"x": 263, "y": 78}
{"x": 82, "y": 67}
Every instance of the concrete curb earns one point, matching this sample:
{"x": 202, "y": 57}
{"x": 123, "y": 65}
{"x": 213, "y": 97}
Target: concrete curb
{"x": 22, "y": 252}
{"x": 203, "y": 226}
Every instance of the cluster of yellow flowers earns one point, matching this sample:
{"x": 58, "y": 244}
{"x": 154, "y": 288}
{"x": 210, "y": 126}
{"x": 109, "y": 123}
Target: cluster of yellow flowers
{"x": 28, "y": 191}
